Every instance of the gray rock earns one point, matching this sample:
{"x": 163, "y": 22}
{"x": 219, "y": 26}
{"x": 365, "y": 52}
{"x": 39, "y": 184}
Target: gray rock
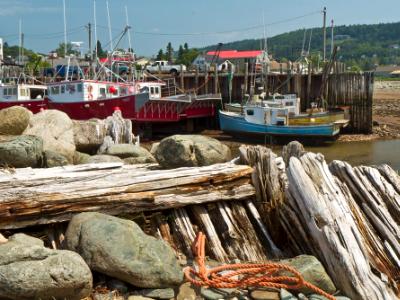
{"x": 138, "y": 160}
{"x": 262, "y": 294}
{"x": 28, "y": 270}
{"x": 21, "y": 152}
{"x": 129, "y": 150}
{"x": 120, "y": 249}
{"x": 89, "y": 135}
{"x": 56, "y": 130}
{"x": 216, "y": 294}
{"x": 285, "y": 295}
{"x": 301, "y": 296}
{"x": 102, "y": 158}
{"x": 52, "y": 159}
{"x": 319, "y": 297}
{"x": 158, "y": 293}
{"x": 153, "y": 148}
{"x": 312, "y": 271}
{"x": 81, "y": 158}
{"x": 117, "y": 285}
{"x": 186, "y": 292}
{"x": 136, "y": 297}
{"x": 191, "y": 150}
{"x": 14, "y": 120}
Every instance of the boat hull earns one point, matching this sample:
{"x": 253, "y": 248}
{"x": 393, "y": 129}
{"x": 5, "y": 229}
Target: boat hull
{"x": 34, "y": 106}
{"x": 235, "y": 123}
{"x": 101, "y": 109}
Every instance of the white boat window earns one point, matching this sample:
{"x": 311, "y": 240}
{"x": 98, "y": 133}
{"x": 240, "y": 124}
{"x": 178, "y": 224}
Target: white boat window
{"x": 23, "y": 92}
{"x": 152, "y": 91}
{"x": 55, "y": 90}
{"x": 158, "y": 90}
{"x": 102, "y": 92}
{"x": 250, "y": 112}
{"x": 63, "y": 89}
{"x": 289, "y": 103}
{"x": 5, "y": 92}
{"x": 123, "y": 91}
{"x": 70, "y": 88}
{"x": 79, "y": 87}
{"x": 14, "y": 91}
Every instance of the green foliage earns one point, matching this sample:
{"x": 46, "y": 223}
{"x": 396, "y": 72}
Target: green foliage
{"x": 61, "y": 50}
{"x": 13, "y": 51}
{"x": 186, "y": 55}
{"x": 367, "y": 45}
{"x": 160, "y": 55}
{"x": 100, "y": 52}
{"x": 36, "y": 63}
{"x": 170, "y": 52}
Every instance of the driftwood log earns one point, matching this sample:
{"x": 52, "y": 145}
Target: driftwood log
{"x": 42, "y": 196}
{"x": 327, "y": 214}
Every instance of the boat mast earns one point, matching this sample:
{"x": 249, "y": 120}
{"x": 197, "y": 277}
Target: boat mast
{"x": 65, "y": 30}
{"x": 130, "y": 50}
{"x": 332, "y": 37}
{"x": 109, "y": 27}
{"x": 95, "y": 40}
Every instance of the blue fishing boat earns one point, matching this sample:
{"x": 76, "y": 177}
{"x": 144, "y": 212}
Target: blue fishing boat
{"x": 261, "y": 120}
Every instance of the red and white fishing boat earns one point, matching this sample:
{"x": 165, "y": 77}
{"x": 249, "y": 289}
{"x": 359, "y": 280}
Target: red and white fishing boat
{"x": 31, "y": 96}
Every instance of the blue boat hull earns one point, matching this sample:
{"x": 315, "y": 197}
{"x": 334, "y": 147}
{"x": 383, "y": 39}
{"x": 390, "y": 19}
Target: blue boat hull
{"x": 237, "y": 124}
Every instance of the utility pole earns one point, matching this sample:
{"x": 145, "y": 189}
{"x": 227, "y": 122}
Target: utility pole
{"x": 89, "y": 28}
{"x": 332, "y": 36}
{"x": 324, "y": 29}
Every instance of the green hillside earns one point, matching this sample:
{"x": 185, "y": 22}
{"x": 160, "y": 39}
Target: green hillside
{"x": 364, "y": 46}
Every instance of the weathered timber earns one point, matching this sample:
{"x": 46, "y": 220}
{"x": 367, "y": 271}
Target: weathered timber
{"x": 41, "y": 196}
{"x": 322, "y": 204}
{"x": 269, "y": 186}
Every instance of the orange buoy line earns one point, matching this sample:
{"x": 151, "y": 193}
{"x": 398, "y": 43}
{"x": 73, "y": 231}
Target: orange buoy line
{"x": 244, "y": 275}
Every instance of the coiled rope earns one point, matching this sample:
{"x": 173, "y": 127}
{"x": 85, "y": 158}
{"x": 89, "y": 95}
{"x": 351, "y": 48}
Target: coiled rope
{"x": 244, "y": 275}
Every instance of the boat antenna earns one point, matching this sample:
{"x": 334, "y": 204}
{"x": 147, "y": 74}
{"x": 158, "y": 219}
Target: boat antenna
{"x": 109, "y": 26}
{"x": 65, "y": 30}
{"x": 129, "y": 30}
{"x": 304, "y": 42}
{"x": 95, "y": 28}
{"x": 20, "y": 42}
{"x": 309, "y": 42}
{"x": 265, "y": 35}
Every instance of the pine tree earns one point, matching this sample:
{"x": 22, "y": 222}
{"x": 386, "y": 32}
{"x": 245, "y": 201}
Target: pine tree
{"x": 186, "y": 47}
{"x": 180, "y": 53}
{"x": 170, "y": 53}
{"x": 160, "y": 55}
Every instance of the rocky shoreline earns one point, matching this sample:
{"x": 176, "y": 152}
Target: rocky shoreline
{"x": 138, "y": 256}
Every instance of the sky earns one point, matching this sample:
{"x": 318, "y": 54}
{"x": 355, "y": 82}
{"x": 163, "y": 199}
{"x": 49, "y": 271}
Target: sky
{"x": 199, "y": 23}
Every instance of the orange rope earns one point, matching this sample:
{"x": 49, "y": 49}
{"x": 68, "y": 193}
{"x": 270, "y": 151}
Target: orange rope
{"x": 261, "y": 275}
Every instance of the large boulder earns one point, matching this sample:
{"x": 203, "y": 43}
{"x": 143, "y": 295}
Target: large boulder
{"x": 21, "y": 152}
{"x": 120, "y": 249}
{"x": 130, "y": 150}
{"x": 89, "y": 135}
{"x": 312, "y": 271}
{"x": 53, "y": 159}
{"x": 102, "y": 158}
{"x": 14, "y": 120}
{"x": 56, "y": 130}
{"x": 191, "y": 150}
{"x": 28, "y": 270}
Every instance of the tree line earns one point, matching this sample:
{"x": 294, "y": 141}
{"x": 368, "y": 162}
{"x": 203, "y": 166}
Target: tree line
{"x": 184, "y": 55}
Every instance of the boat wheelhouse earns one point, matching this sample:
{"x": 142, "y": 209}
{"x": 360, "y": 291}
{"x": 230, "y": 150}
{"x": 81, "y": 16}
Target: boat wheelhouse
{"x": 84, "y": 99}
{"x": 30, "y": 96}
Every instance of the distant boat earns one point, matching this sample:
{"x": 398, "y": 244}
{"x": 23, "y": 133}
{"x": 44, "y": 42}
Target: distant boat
{"x": 274, "y": 118}
{"x": 15, "y": 93}
{"x": 311, "y": 116}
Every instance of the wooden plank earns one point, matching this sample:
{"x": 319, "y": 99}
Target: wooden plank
{"x": 42, "y": 196}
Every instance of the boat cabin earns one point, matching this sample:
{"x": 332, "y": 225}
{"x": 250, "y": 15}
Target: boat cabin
{"x": 289, "y": 101}
{"x": 267, "y": 115}
{"x": 154, "y": 88}
{"x": 91, "y": 90}
{"x": 87, "y": 90}
{"x": 22, "y": 92}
